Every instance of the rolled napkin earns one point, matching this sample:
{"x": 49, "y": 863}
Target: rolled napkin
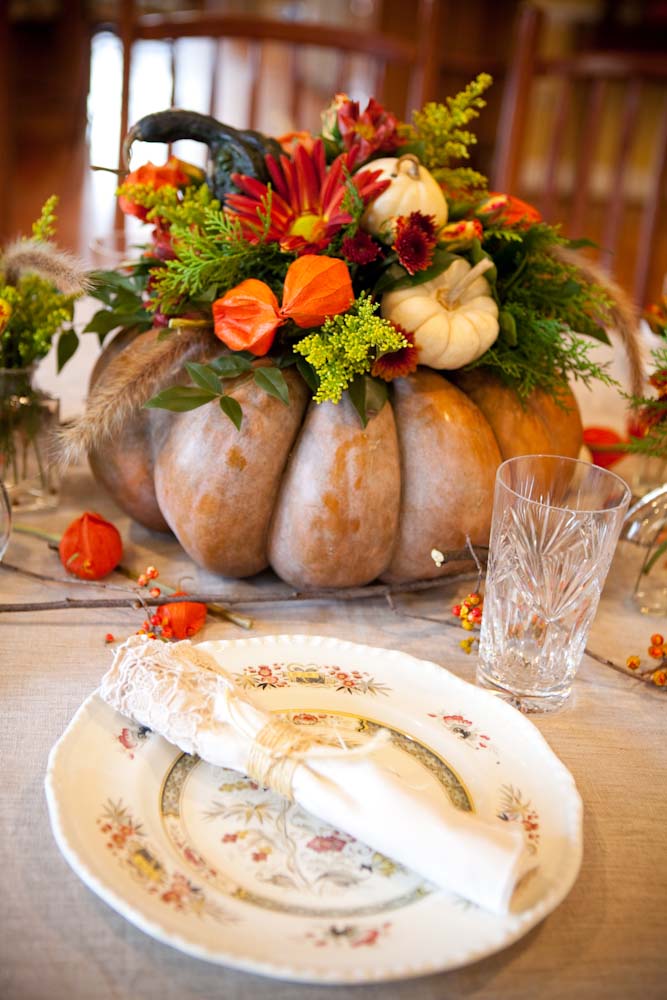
{"x": 185, "y": 695}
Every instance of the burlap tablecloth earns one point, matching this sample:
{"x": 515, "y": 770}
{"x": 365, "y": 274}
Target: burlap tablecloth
{"x": 59, "y": 941}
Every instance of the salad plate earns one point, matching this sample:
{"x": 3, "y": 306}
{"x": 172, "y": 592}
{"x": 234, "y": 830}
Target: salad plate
{"x": 205, "y": 860}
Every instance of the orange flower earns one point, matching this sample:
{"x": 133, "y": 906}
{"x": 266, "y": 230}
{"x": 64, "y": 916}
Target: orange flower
{"x": 184, "y": 619}
{"x": 90, "y": 547}
{"x": 247, "y": 317}
{"x": 174, "y": 173}
{"x": 290, "y": 140}
{"x": 510, "y": 211}
{"x": 461, "y": 233}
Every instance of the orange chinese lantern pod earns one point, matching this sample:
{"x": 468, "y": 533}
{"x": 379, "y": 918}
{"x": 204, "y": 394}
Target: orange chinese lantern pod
{"x": 601, "y": 441}
{"x": 91, "y": 547}
{"x": 246, "y": 317}
{"x": 316, "y": 287}
{"x": 184, "y": 619}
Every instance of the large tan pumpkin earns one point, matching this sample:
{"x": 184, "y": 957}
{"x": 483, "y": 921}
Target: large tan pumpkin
{"x": 307, "y": 490}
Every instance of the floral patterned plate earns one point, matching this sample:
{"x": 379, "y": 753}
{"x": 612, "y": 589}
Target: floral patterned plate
{"x": 204, "y": 860}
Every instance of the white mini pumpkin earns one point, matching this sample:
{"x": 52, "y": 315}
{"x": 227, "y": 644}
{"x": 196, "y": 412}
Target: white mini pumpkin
{"x": 412, "y": 189}
{"x": 453, "y": 317}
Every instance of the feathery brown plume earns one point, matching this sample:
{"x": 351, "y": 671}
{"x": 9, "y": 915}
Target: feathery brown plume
{"x": 622, "y": 316}
{"x": 65, "y": 271}
{"x": 131, "y": 378}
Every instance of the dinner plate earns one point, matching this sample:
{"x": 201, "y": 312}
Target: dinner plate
{"x": 206, "y": 861}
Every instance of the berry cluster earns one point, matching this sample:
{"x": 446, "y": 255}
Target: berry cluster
{"x": 657, "y": 651}
{"x": 469, "y": 612}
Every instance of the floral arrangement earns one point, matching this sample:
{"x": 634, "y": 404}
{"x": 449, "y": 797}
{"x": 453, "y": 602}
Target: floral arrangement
{"x": 38, "y": 287}
{"x": 355, "y": 255}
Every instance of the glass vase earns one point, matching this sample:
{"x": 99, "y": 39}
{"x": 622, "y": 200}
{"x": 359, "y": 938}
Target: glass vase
{"x": 646, "y": 526}
{"x": 29, "y": 420}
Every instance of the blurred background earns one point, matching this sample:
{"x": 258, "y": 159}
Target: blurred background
{"x": 576, "y": 121}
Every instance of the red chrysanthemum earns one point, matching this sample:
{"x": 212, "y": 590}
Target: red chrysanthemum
{"x": 396, "y": 364}
{"x": 415, "y": 241}
{"x": 360, "y": 248}
{"x": 371, "y": 131}
{"x": 305, "y": 202}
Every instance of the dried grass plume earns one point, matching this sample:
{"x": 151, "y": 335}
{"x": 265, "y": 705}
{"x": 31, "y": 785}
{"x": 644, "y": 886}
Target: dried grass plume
{"x": 58, "y": 266}
{"x": 130, "y": 379}
{"x": 623, "y": 317}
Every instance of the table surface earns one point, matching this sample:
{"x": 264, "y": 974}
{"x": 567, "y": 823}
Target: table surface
{"x": 59, "y": 940}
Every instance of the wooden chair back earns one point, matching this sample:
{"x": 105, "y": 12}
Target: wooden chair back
{"x": 414, "y": 57}
{"x": 598, "y": 130}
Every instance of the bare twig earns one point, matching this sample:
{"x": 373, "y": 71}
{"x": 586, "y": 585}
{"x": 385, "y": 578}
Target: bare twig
{"x": 217, "y": 610}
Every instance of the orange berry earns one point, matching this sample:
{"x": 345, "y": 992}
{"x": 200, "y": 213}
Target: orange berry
{"x": 152, "y": 573}
{"x": 657, "y": 652}
{"x": 154, "y": 591}
{"x": 456, "y": 610}
{"x": 475, "y": 614}
{"x": 632, "y": 662}
{"x": 467, "y": 625}
{"x": 109, "y": 637}
{"x": 659, "y": 677}
{"x": 155, "y": 619}
{"x": 474, "y": 599}
{"x": 657, "y": 639}
{"x": 142, "y": 580}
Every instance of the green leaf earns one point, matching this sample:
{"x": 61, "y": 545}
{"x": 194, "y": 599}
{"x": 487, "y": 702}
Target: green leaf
{"x": 598, "y": 333}
{"x": 368, "y": 396}
{"x": 232, "y": 409}
{"x": 230, "y": 365}
{"x": 377, "y": 394}
{"x": 441, "y": 260}
{"x": 202, "y": 376}
{"x": 357, "y": 393}
{"x": 507, "y": 325}
{"x": 110, "y": 279}
{"x": 272, "y": 380}
{"x": 68, "y": 342}
{"x": 102, "y": 322}
{"x": 180, "y": 398}
{"x": 307, "y": 373}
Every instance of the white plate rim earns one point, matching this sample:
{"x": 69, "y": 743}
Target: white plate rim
{"x": 404, "y": 969}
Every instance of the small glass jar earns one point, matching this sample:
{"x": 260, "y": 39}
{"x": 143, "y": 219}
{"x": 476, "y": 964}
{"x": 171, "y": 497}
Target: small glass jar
{"x": 29, "y": 420}
{"x": 646, "y": 526}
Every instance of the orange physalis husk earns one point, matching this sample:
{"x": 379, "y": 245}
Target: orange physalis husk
{"x": 183, "y": 619}
{"x": 91, "y": 547}
{"x": 316, "y": 287}
{"x": 246, "y": 317}
{"x": 509, "y": 210}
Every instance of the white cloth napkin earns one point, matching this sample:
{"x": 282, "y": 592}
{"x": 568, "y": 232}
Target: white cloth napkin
{"x": 184, "y": 694}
